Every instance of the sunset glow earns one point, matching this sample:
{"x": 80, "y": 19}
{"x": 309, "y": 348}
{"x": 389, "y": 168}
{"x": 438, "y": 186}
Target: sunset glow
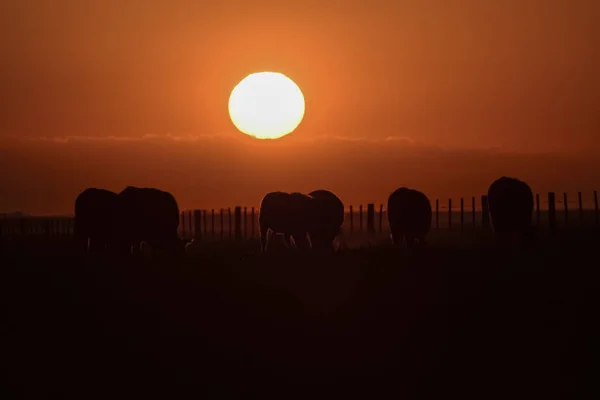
{"x": 266, "y": 105}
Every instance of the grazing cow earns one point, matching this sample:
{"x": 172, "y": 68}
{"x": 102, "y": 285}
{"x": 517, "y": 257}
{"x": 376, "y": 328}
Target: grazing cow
{"x": 511, "y": 208}
{"x": 329, "y": 218}
{"x": 152, "y": 216}
{"x": 290, "y": 214}
{"x": 409, "y": 216}
{"x": 95, "y": 219}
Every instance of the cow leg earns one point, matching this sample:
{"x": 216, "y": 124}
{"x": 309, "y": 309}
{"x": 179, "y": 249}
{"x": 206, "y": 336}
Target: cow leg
{"x": 396, "y": 238}
{"x": 123, "y": 248}
{"x": 300, "y": 240}
{"x": 136, "y": 248}
{"x": 411, "y": 242}
{"x": 82, "y": 244}
{"x": 264, "y": 232}
{"x": 287, "y": 240}
{"x": 80, "y": 237}
{"x": 95, "y": 244}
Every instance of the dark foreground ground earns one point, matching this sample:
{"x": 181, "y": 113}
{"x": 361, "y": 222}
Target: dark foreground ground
{"x": 450, "y": 322}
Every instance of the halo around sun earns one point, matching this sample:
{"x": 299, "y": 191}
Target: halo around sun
{"x": 266, "y": 105}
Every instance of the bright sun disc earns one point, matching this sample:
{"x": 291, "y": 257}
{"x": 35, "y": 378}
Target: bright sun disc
{"x": 266, "y": 105}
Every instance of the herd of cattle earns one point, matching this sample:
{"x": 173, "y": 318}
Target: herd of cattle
{"x": 121, "y": 222}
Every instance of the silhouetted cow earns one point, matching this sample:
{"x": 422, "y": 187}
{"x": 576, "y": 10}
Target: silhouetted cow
{"x": 96, "y": 219}
{"x": 152, "y": 216}
{"x": 329, "y": 219}
{"x": 511, "y": 208}
{"x": 409, "y": 216}
{"x": 291, "y": 214}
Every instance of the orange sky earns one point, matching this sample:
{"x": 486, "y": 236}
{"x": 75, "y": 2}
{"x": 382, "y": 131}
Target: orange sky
{"x": 448, "y": 79}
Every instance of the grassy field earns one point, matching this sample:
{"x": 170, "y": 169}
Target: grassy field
{"x": 457, "y": 319}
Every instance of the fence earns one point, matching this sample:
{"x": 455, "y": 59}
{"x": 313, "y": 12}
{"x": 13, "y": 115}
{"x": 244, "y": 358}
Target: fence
{"x": 241, "y": 223}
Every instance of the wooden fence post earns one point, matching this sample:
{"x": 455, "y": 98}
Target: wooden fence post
{"x": 380, "y": 218}
{"x": 462, "y": 214}
{"x": 205, "y": 222}
{"x": 221, "y": 226}
{"x": 212, "y": 223}
{"x": 245, "y": 223}
{"x": 552, "y": 210}
{"x": 360, "y": 218}
{"x": 473, "y": 211}
{"x": 238, "y": 223}
{"x": 181, "y": 228}
{"x": 252, "y": 224}
{"x": 370, "y": 217}
{"x": 566, "y": 208}
{"x": 437, "y": 213}
{"x": 48, "y": 227}
{"x": 197, "y": 224}
{"x": 351, "y": 220}
{"x": 449, "y": 213}
{"x": 537, "y": 208}
{"x": 485, "y": 212}
{"x": 580, "y": 204}
{"x": 229, "y": 222}
{"x": 596, "y": 206}
{"x": 186, "y": 225}
{"x": 23, "y": 226}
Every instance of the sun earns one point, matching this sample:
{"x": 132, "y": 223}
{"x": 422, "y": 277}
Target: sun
{"x": 266, "y": 105}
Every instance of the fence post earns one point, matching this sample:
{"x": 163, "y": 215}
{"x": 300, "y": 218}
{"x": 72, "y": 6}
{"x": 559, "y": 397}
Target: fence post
{"x": 197, "y": 224}
{"x": 221, "y": 226}
{"x": 186, "y": 226}
{"x": 205, "y": 222}
{"x": 473, "y": 211}
{"x": 596, "y": 206}
{"x": 566, "y": 209}
{"x": 485, "y": 212}
{"x": 449, "y": 213}
{"x": 351, "y": 220}
{"x": 23, "y": 227}
{"x": 537, "y": 208}
{"x": 212, "y": 223}
{"x": 252, "y": 224}
{"x": 437, "y": 213}
{"x": 229, "y": 222}
{"x": 245, "y": 223}
{"x": 182, "y": 224}
{"x": 190, "y": 214}
{"x": 370, "y": 217}
{"x": 238, "y": 223}
{"x": 360, "y": 218}
{"x": 48, "y": 227}
{"x": 462, "y": 214}
{"x": 580, "y": 204}
{"x": 552, "y": 210}
{"x": 380, "y": 218}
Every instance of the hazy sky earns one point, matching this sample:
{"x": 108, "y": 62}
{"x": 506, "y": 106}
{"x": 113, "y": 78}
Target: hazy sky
{"x": 447, "y": 79}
